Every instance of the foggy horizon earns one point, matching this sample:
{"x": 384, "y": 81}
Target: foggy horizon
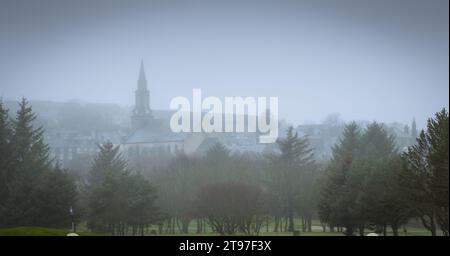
{"x": 385, "y": 60}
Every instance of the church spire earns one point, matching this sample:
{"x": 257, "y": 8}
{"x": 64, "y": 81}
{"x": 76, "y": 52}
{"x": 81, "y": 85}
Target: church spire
{"x": 142, "y": 71}
{"x": 142, "y": 114}
{"x": 413, "y": 129}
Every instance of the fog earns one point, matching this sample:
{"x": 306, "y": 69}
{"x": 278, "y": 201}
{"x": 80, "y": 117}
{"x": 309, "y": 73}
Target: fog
{"x": 286, "y": 118}
{"x": 371, "y": 60}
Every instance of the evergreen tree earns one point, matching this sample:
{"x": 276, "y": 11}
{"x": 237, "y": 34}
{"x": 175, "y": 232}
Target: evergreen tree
{"x": 414, "y": 181}
{"x": 116, "y": 197}
{"x": 108, "y": 160}
{"x": 381, "y": 200}
{"x": 360, "y": 190}
{"x": 30, "y": 152}
{"x": 413, "y": 129}
{"x": 5, "y": 155}
{"x": 32, "y": 193}
{"x": 5, "y": 140}
{"x": 437, "y": 136}
{"x": 296, "y": 155}
{"x": 29, "y": 160}
{"x": 337, "y": 200}
{"x": 56, "y": 194}
{"x": 376, "y": 143}
{"x": 105, "y": 193}
{"x": 425, "y": 178}
{"x": 370, "y": 179}
{"x": 141, "y": 209}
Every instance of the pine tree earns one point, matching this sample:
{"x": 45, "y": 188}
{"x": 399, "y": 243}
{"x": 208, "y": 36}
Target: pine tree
{"x": 337, "y": 200}
{"x": 413, "y": 129}
{"x": 56, "y": 194}
{"x": 380, "y": 201}
{"x": 29, "y": 161}
{"x": 359, "y": 190}
{"x": 141, "y": 209}
{"x": 106, "y": 197}
{"x": 32, "y": 193}
{"x": 425, "y": 178}
{"x": 109, "y": 159}
{"x": 376, "y": 143}
{"x": 31, "y": 153}
{"x": 5, "y": 156}
{"x": 5, "y": 139}
{"x": 414, "y": 182}
{"x": 296, "y": 154}
{"x": 437, "y": 136}
{"x": 116, "y": 197}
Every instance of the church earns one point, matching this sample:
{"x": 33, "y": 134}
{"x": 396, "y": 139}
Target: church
{"x": 149, "y": 133}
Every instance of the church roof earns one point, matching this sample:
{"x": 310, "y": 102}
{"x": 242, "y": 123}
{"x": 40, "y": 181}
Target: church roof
{"x": 206, "y": 145}
{"x": 147, "y": 135}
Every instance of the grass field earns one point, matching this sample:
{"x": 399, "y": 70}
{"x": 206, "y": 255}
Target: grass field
{"x": 38, "y": 231}
{"x": 316, "y": 230}
{"x": 83, "y": 231}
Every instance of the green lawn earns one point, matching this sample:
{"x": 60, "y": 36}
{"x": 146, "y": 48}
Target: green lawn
{"x": 82, "y": 230}
{"x": 317, "y": 231}
{"x": 38, "y": 231}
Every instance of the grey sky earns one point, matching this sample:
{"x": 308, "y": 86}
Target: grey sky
{"x": 385, "y": 60}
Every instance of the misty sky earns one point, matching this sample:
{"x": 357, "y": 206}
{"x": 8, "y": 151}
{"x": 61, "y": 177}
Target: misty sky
{"x": 376, "y": 60}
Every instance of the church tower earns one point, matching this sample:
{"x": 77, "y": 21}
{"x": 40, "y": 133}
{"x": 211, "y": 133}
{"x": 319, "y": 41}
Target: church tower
{"x": 413, "y": 129}
{"x": 142, "y": 114}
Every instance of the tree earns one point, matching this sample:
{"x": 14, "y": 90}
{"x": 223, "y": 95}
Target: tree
{"x": 425, "y": 178}
{"x": 32, "y": 194}
{"x": 337, "y": 201}
{"x": 178, "y": 183}
{"x": 30, "y": 152}
{"x": 437, "y": 136}
{"x": 56, "y": 194}
{"x": 307, "y": 196}
{"x": 377, "y": 151}
{"x": 296, "y": 155}
{"x": 141, "y": 208}
{"x": 5, "y": 153}
{"x": 106, "y": 193}
{"x": 376, "y": 143}
{"x": 116, "y": 197}
{"x": 232, "y": 206}
{"x": 382, "y": 202}
{"x": 29, "y": 159}
{"x": 414, "y": 181}
{"x": 177, "y": 188}
{"x": 108, "y": 160}
{"x": 360, "y": 189}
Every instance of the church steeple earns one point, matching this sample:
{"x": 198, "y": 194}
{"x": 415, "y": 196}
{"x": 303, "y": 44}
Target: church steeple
{"x": 142, "y": 72}
{"x": 142, "y": 115}
{"x": 414, "y": 129}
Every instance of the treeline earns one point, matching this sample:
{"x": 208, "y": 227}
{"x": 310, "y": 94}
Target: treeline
{"x": 368, "y": 185}
{"x": 243, "y": 193}
{"x": 35, "y": 191}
